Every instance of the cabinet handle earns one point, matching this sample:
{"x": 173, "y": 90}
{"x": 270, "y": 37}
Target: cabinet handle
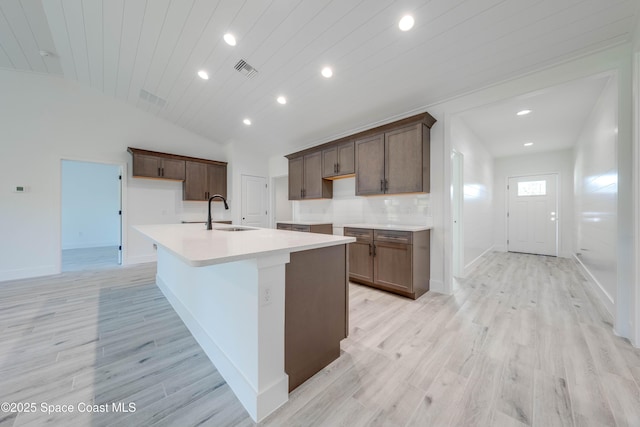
{"x": 337, "y": 167}
{"x": 374, "y": 249}
{"x": 386, "y": 185}
{"x": 162, "y": 171}
{"x": 369, "y": 249}
{"x": 301, "y": 193}
{"x": 159, "y": 172}
{"x": 382, "y": 185}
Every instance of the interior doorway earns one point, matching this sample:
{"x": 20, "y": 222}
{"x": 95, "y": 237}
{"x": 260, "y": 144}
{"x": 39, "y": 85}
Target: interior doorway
{"x": 91, "y": 213}
{"x": 254, "y": 201}
{"x": 532, "y": 215}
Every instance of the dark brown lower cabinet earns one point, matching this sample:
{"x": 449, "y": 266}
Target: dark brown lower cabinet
{"x": 316, "y": 311}
{"x": 306, "y": 228}
{"x": 396, "y": 261}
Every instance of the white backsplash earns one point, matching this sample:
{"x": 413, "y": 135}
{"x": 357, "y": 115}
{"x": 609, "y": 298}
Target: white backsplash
{"x": 347, "y": 208}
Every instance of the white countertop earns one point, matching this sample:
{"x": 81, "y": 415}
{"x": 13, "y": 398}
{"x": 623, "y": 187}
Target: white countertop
{"x": 396, "y": 227}
{"x": 199, "y": 247}
{"x": 304, "y": 222}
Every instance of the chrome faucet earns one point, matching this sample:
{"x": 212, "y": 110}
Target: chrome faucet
{"x": 226, "y": 206}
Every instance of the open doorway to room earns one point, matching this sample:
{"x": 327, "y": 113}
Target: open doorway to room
{"x": 91, "y": 236}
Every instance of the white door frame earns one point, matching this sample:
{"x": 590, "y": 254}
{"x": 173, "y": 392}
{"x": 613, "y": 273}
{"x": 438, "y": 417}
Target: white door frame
{"x": 124, "y": 253}
{"x": 457, "y": 213}
{"x": 558, "y": 206}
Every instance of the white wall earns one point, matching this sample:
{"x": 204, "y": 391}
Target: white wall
{"x": 560, "y": 162}
{"x": 90, "y": 205}
{"x": 596, "y": 194}
{"x": 478, "y": 192}
{"x": 283, "y": 209}
{"x": 347, "y": 208}
{"x": 45, "y": 119}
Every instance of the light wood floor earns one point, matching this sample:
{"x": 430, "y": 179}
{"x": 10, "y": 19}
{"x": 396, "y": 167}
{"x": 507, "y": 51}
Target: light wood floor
{"x": 89, "y": 258}
{"x": 523, "y": 341}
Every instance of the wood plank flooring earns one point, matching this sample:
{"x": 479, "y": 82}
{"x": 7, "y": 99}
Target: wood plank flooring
{"x": 522, "y": 342}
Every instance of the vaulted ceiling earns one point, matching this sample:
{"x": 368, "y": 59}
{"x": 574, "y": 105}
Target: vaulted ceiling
{"x": 148, "y": 52}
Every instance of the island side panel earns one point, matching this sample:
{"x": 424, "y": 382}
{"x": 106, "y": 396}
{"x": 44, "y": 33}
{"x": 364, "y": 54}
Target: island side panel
{"x": 242, "y": 333}
{"x": 316, "y": 298}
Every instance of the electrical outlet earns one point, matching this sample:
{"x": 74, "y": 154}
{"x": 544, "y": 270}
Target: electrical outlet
{"x": 266, "y": 296}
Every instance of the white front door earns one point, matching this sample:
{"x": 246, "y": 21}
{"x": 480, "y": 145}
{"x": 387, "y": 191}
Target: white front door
{"x": 533, "y": 214}
{"x": 254, "y": 201}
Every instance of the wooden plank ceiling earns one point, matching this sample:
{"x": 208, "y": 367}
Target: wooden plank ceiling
{"x": 124, "y": 47}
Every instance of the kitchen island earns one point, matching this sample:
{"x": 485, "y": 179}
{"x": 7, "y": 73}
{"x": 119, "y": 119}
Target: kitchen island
{"x": 268, "y": 307}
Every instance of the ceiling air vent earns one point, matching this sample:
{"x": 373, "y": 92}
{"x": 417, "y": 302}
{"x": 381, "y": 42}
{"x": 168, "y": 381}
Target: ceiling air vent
{"x": 152, "y": 99}
{"x": 245, "y": 69}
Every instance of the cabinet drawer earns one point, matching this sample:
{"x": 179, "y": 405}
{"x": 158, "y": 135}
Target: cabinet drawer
{"x": 362, "y": 234}
{"x": 392, "y": 236}
{"x": 281, "y": 226}
{"x": 298, "y": 227}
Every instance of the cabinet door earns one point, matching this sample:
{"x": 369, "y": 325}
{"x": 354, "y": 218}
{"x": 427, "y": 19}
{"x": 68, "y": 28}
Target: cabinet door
{"x": 329, "y": 162}
{"x": 296, "y": 177}
{"x": 195, "y": 182}
{"x": 346, "y": 158}
{"x": 403, "y": 160}
{"x": 217, "y": 180}
{"x": 370, "y": 165}
{"x": 361, "y": 261}
{"x": 172, "y": 169}
{"x": 147, "y": 166}
{"x": 312, "y": 176}
{"x": 299, "y": 227}
{"x": 392, "y": 266}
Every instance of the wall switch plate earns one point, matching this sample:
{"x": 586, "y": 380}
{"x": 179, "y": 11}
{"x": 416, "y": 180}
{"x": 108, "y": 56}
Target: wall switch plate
{"x": 20, "y": 189}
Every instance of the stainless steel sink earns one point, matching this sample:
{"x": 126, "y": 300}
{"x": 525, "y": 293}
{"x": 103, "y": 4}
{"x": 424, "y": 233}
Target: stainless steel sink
{"x": 234, "y": 229}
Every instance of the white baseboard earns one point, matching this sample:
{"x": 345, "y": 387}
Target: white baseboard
{"x": 476, "y": 262}
{"x": 437, "y": 286}
{"x": 27, "y": 273}
{"x": 604, "y": 296}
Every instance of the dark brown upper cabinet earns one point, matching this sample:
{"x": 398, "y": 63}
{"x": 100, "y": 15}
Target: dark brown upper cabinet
{"x": 394, "y": 162}
{"x": 305, "y": 178}
{"x": 339, "y": 160}
{"x": 370, "y": 165}
{"x": 389, "y": 159}
{"x": 203, "y": 180}
{"x": 148, "y": 165}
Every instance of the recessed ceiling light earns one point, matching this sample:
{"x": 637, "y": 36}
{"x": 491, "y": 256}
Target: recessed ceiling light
{"x": 247, "y": 122}
{"x": 406, "y": 23}
{"x": 523, "y": 112}
{"x": 327, "y": 72}
{"x": 203, "y": 75}
{"x": 281, "y": 100}
{"x": 230, "y": 39}
{"x": 528, "y": 144}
